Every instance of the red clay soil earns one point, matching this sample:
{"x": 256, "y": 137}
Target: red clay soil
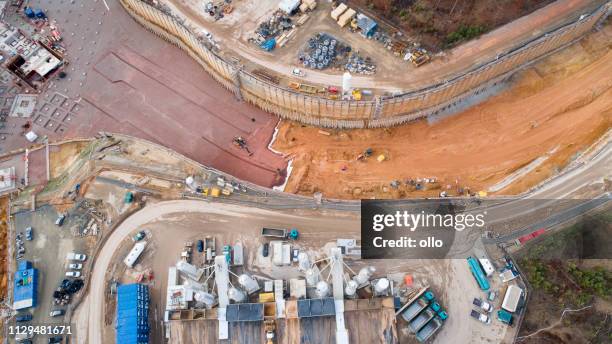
{"x": 557, "y": 108}
{"x": 193, "y": 115}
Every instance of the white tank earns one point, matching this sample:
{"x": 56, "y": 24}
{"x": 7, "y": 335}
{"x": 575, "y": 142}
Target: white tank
{"x": 346, "y": 82}
{"x": 236, "y": 295}
{"x": 322, "y": 289}
{"x": 207, "y": 299}
{"x": 351, "y": 288}
{"x": 303, "y": 261}
{"x": 190, "y": 181}
{"x": 312, "y": 277}
{"x": 248, "y": 283}
{"x": 364, "y": 275}
{"x": 381, "y": 286}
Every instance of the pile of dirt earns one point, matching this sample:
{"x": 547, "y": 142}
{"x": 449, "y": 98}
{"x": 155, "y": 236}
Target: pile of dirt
{"x": 556, "y": 109}
{"x": 440, "y": 23}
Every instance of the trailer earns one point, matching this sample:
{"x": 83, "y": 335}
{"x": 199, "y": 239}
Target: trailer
{"x": 136, "y": 251}
{"x": 428, "y": 330}
{"x": 512, "y": 298}
{"x": 238, "y": 259}
{"x": 420, "y": 321}
{"x": 414, "y": 309}
{"x": 478, "y": 274}
{"x": 273, "y": 232}
{"x": 209, "y": 248}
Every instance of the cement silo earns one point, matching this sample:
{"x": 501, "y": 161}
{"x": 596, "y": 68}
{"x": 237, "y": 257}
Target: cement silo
{"x": 236, "y": 295}
{"x": 248, "y": 283}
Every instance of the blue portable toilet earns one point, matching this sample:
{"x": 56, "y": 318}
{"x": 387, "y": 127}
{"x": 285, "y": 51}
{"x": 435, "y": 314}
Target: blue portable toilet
{"x": 29, "y": 12}
{"x": 40, "y": 14}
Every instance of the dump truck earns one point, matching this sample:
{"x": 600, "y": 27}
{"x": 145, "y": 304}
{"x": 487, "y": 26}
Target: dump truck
{"x": 304, "y": 88}
{"x": 420, "y": 321}
{"x": 275, "y": 233}
{"x": 428, "y": 330}
{"x": 483, "y": 318}
{"x": 414, "y": 309}
{"x": 209, "y": 247}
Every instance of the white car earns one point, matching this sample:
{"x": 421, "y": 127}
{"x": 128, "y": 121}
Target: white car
{"x": 298, "y": 72}
{"x": 73, "y": 274}
{"x": 75, "y": 266}
{"x": 76, "y": 256}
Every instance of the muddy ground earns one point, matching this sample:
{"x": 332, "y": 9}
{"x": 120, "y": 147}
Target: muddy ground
{"x": 552, "y": 111}
{"x": 437, "y": 22}
{"x": 580, "y": 287}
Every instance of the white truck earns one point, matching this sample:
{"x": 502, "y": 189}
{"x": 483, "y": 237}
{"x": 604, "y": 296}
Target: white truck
{"x": 76, "y": 256}
{"x": 483, "y": 318}
{"x": 485, "y": 306}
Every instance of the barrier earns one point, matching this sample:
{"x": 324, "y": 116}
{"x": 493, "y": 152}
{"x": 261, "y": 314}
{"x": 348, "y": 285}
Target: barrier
{"x": 380, "y": 112}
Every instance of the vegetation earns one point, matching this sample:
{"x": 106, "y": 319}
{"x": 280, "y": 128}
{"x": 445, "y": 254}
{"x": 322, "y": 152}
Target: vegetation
{"x": 465, "y": 33}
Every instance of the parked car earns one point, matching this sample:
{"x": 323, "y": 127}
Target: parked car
{"x": 266, "y": 249}
{"x": 73, "y": 274}
{"x": 23, "y": 317}
{"x": 298, "y": 72}
{"x": 75, "y": 266}
{"x": 295, "y": 254}
{"x": 139, "y": 236}
{"x": 56, "y": 339}
{"x": 60, "y": 220}
{"x": 28, "y": 234}
{"x": 76, "y": 256}
{"x": 57, "y": 312}
{"x": 200, "y": 246}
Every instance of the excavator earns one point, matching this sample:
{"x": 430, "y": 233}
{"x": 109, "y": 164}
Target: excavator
{"x": 240, "y": 142}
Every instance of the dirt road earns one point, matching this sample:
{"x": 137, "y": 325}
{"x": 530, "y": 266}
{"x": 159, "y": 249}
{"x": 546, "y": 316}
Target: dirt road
{"x": 553, "y": 110}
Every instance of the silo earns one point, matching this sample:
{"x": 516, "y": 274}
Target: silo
{"x": 351, "y": 288}
{"x": 248, "y": 283}
{"x": 322, "y": 289}
{"x": 364, "y": 275}
{"x": 236, "y": 295}
{"x": 206, "y": 298}
{"x": 346, "y": 83}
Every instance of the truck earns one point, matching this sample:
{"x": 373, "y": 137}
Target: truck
{"x": 209, "y": 245}
{"x": 478, "y": 274}
{"x": 414, "y": 309}
{"x": 485, "y": 306}
{"x": 428, "y": 330}
{"x": 483, "y": 318}
{"x": 505, "y": 317}
{"x": 274, "y": 233}
{"x": 420, "y": 321}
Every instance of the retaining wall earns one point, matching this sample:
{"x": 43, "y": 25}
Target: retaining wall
{"x": 380, "y": 112}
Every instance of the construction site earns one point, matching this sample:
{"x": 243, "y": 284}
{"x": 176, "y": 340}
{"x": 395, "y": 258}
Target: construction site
{"x": 182, "y": 171}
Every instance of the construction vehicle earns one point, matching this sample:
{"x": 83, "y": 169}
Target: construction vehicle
{"x": 129, "y": 197}
{"x": 305, "y": 88}
{"x": 209, "y": 247}
{"x": 419, "y": 57}
{"x": 293, "y": 234}
{"x": 428, "y": 330}
{"x": 357, "y": 94}
{"x": 187, "y": 250}
{"x": 240, "y": 142}
{"x": 485, "y": 306}
{"x": 483, "y": 318}
{"x": 227, "y": 252}
{"x": 504, "y": 316}
{"x": 270, "y": 327}
{"x": 215, "y": 192}
{"x": 414, "y": 309}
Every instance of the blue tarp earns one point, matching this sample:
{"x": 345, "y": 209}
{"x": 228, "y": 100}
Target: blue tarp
{"x": 25, "y": 286}
{"x": 132, "y": 324}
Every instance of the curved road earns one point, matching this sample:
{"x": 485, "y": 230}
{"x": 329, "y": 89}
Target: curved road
{"x": 90, "y": 313}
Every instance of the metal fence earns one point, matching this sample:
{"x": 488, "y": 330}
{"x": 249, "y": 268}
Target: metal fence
{"x": 380, "y": 112}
